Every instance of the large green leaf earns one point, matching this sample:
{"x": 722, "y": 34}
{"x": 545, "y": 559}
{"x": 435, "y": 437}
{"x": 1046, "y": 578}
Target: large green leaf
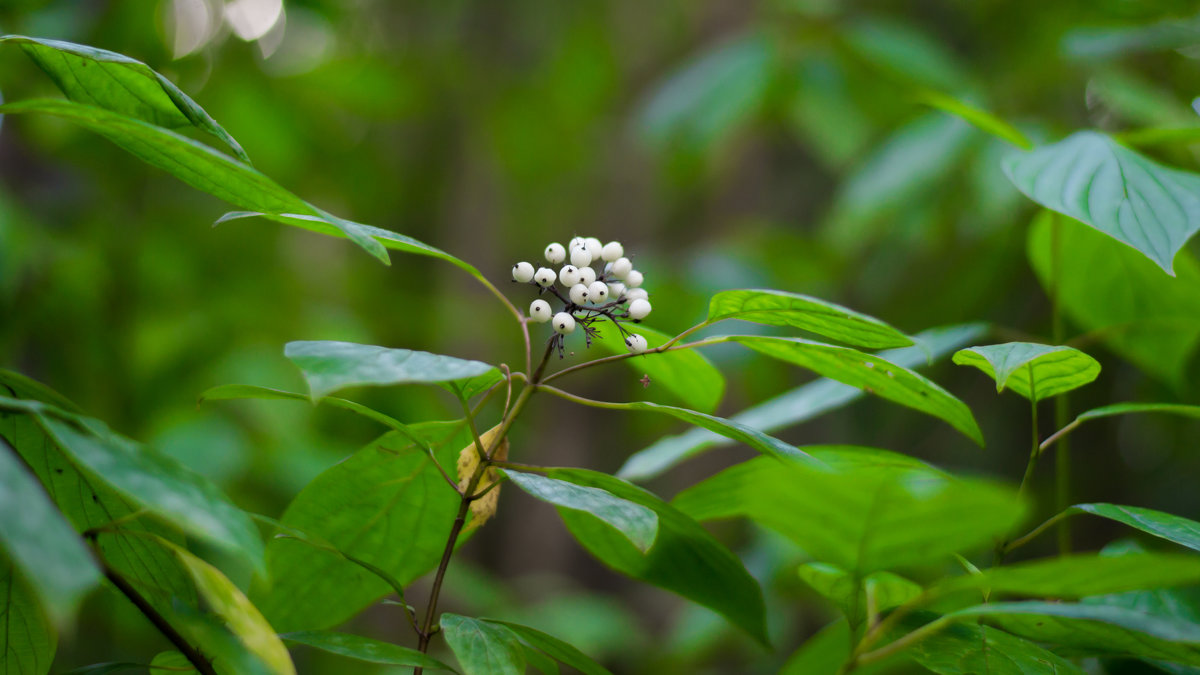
{"x": 332, "y": 366}
{"x": 386, "y": 505}
{"x": 1092, "y": 178}
{"x": 798, "y": 405}
{"x": 1119, "y": 296}
{"x": 873, "y": 374}
{"x": 685, "y": 558}
{"x": 153, "y": 480}
{"x": 118, "y": 83}
{"x": 638, "y": 523}
{"x": 555, "y": 648}
{"x": 973, "y": 649}
{"x": 364, "y": 649}
{"x": 1032, "y": 370}
{"x": 1094, "y": 629}
{"x": 780, "y": 308}
{"x": 1176, "y": 529}
{"x": 861, "y": 518}
{"x": 1082, "y": 575}
{"x": 686, "y": 374}
{"x": 195, "y": 164}
{"x": 27, "y": 638}
{"x": 40, "y": 541}
{"x": 483, "y": 647}
{"x": 887, "y": 590}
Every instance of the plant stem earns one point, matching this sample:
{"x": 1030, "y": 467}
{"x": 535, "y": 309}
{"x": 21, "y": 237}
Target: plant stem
{"x": 666, "y": 347}
{"x": 1002, "y": 547}
{"x": 1062, "y": 406}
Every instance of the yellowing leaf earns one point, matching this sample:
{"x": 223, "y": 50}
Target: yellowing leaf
{"x": 468, "y": 463}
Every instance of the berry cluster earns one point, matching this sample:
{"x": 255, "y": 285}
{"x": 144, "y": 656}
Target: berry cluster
{"x": 613, "y": 293}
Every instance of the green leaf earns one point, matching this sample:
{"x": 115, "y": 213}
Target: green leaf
{"x": 27, "y": 638}
{"x": 195, "y": 164}
{"x": 235, "y": 392}
{"x": 235, "y": 611}
{"x": 483, "y": 648}
{"x": 1175, "y": 529}
{"x": 332, "y": 366}
{"x": 981, "y": 119}
{"x": 686, "y": 373}
{"x": 1092, "y": 178}
{"x": 386, "y": 505}
{"x": 363, "y": 649}
{"x": 636, "y": 522}
{"x": 113, "y": 667}
{"x": 162, "y": 485}
{"x": 1049, "y": 370}
{"x": 539, "y": 661}
{"x": 865, "y": 518}
{"x": 1129, "y": 408}
{"x": 1094, "y": 629}
{"x": 779, "y": 308}
{"x": 903, "y": 51}
{"x": 843, "y": 590}
{"x": 705, "y": 101}
{"x": 826, "y": 652}
{"x": 873, "y": 374}
{"x": 1121, "y": 297}
{"x": 174, "y": 660}
{"x": 685, "y": 559}
{"x": 972, "y": 649}
{"x": 41, "y": 542}
{"x": 118, "y": 83}
{"x": 798, "y": 405}
{"x": 1082, "y": 575}
{"x": 554, "y": 648}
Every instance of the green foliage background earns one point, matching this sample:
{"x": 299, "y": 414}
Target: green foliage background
{"x": 776, "y": 144}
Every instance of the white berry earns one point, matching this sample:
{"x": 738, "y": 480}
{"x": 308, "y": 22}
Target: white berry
{"x": 598, "y": 292}
{"x": 555, "y": 254}
{"x": 576, "y": 241}
{"x": 568, "y": 275}
{"x": 636, "y": 294}
{"x": 544, "y": 277}
{"x": 579, "y": 294}
{"x": 633, "y": 279}
{"x": 581, "y": 256}
{"x": 612, "y": 250}
{"x": 621, "y": 267}
{"x": 639, "y": 309}
{"x": 539, "y": 311}
{"x": 636, "y": 343}
{"x": 587, "y": 275}
{"x": 594, "y": 247}
{"x": 564, "y": 323}
{"x": 522, "y": 272}
{"x": 616, "y": 289}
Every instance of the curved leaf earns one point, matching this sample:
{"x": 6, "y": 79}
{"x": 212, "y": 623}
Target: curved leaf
{"x": 332, "y": 366}
{"x": 981, "y": 119}
{"x": 1175, "y": 529}
{"x": 1092, "y": 178}
{"x": 118, "y": 83}
{"x": 195, "y": 164}
{"x": 363, "y": 649}
{"x": 780, "y": 308}
{"x": 1050, "y": 370}
{"x": 482, "y": 647}
{"x": 970, "y": 649}
{"x": 555, "y": 648}
{"x": 686, "y": 373}
{"x": 1082, "y": 575}
{"x": 638, "y": 523}
{"x": 1129, "y": 408}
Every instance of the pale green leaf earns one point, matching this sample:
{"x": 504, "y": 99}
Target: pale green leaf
{"x": 1081, "y": 575}
{"x": 981, "y": 119}
{"x": 1032, "y": 370}
{"x": 843, "y": 590}
{"x": 363, "y": 649}
{"x": 332, "y": 366}
{"x": 638, "y": 523}
{"x": 780, "y": 308}
{"x": 482, "y": 647}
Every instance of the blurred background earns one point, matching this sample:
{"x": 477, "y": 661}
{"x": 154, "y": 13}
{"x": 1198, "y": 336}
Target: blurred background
{"x": 777, "y": 143}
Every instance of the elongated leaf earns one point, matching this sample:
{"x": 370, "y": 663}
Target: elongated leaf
{"x": 1083, "y": 575}
{"x": 386, "y": 505}
{"x": 873, "y": 374}
{"x": 687, "y": 374}
{"x": 981, "y": 119}
{"x": 118, "y": 83}
{"x": 234, "y": 392}
{"x": 332, "y": 366}
{"x": 363, "y": 649}
{"x": 149, "y": 478}
{"x": 1130, "y": 408}
{"x": 539, "y": 661}
{"x": 27, "y": 638}
{"x": 685, "y": 559}
{"x": 1094, "y": 629}
{"x": 839, "y": 587}
{"x": 1176, "y": 529}
{"x": 904, "y": 51}
{"x": 971, "y": 649}
{"x": 1092, "y": 178}
{"x": 195, "y": 164}
{"x": 1049, "y": 370}
{"x": 1120, "y": 296}
{"x": 482, "y": 647}
{"x": 862, "y": 519}
{"x": 40, "y": 541}
{"x": 798, "y": 405}
{"x": 638, "y": 523}
{"x": 779, "y": 308}
{"x": 236, "y": 612}
{"x": 117, "y": 667}
{"x": 554, "y": 648}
